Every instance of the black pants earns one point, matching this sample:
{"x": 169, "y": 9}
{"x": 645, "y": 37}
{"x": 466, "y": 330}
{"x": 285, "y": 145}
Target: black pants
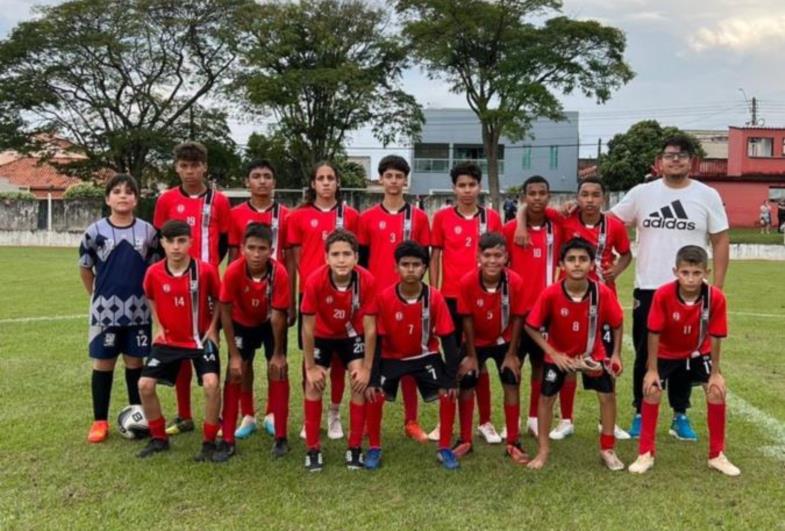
{"x": 680, "y": 388}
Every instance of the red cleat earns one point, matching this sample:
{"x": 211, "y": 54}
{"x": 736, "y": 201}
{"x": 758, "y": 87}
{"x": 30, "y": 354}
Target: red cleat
{"x": 99, "y": 432}
{"x": 414, "y": 431}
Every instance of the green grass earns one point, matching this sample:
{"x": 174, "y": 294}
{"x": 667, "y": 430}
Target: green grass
{"x": 740, "y": 235}
{"x": 51, "y": 478}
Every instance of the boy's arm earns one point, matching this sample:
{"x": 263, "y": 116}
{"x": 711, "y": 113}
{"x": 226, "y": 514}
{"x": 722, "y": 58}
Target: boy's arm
{"x": 469, "y": 362}
{"x": 292, "y": 263}
{"x": 435, "y": 268}
{"x": 615, "y": 270}
{"x": 278, "y": 321}
{"x": 361, "y": 376}
{"x": 88, "y": 277}
{"x": 235, "y": 360}
{"x": 720, "y": 247}
{"x": 521, "y": 233}
{"x": 233, "y": 253}
{"x": 511, "y": 360}
{"x": 313, "y": 372}
{"x": 157, "y": 329}
{"x": 651, "y": 380}
{"x": 561, "y": 360}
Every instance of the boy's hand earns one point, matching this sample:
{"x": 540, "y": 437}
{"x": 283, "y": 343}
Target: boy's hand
{"x": 315, "y": 376}
{"x": 717, "y": 382}
{"x": 360, "y": 378}
{"x": 212, "y": 335}
{"x": 615, "y": 366}
{"x": 372, "y": 394}
{"x": 651, "y": 382}
{"x": 513, "y": 363}
{"x": 235, "y": 369}
{"x": 468, "y": 364}
{"x": 278, "y": 366}
{"x": 562, "y": 361}
{"x": 521, "y": 236}
{"x": 610, "y": 273}
{"x": 568, "y": 207}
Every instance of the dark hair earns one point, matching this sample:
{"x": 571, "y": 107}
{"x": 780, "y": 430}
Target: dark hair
{"x": 592, "y": 180}
{"x": 259, "y": 163}
{"x": 410, "y": 248}
{"x": 490, "y": 240}
{"x": 693, "y": 255}
{"x": 120, "y": 179}
{"x": 190, "y": 151}
{"x": 576, "y": 243}
{"x": 468, "y": 168}
{"x": 310, "y": 193}
{"x": 683, "y": 142}
{"x": 536, "y": 179}
{"x": 258, "y": 230}
{"x": 394, "y": 162}
{"x": 342, "y": 235}
{"x": 175, "y": 228}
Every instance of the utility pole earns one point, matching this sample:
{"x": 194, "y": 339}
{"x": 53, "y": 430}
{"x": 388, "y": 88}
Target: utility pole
{"x": 754, "y": 111}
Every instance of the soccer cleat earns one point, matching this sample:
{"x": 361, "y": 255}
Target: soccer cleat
{"x": 206, "y": 453}
{"x": 531, "y": 426}
{"x": 434, "y": 433}
{"x": 354, "y": 459}
{"x": 334, "y": 428}
{"x": 517, "y": 454}
{"x": 635, "y": 427}
{"x": 642, "y": 464}
{"x": 414, "y": 431}
{"x": 682, "y": 429}
{"x": 461, "y": 448}
{"x": 448, "y": 459}
{"x": 99, "y": 431}
{"x": 178, "y": 426}
{"x": 618, "y": 433}
{"x": 153, "y": 447}
{"x": 223, "y": 452}
{"x": 489, "y": 433}
{"x": 302, "y": 432}
{"x": 722, "y": 464}
{"x": 280, "y": 447}
{"x": 373, "y": 458}
{"x": 269, "y": 424}
{"x": 563, "y": 430}
{"x": 611, "y": 460}
{"x": 313, "y": 461}
{"x": 247, "y": 427}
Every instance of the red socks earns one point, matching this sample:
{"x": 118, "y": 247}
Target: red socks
{"x": 337, "y": 380}
{"x": 466, "y": 412}
{"x": 157, "y": 428}
{"x": 313, "y": 421}
{"x": 232, "y": 395}
{"x": 649, "y": 414}
{"x": 716, "y": 421}
{"x": 210, "y": 432}
{"x": 409, "y": 394}
{"x": 446, "y": 421}
{"x": 269, "y": 408}
{"x": 246, "y": 403}
{"x": 483, "y": 391}
{"x": 607, "y": 442}
{"x": 373, "y": 421}
{"x": 182, "y": 387}
{"x": 512, "y": 413}
{"x": 534, "y": 399}
{"x": 356, "y": 424}
{"x": 567, "y": 398}
{"x": 279, "y": 392}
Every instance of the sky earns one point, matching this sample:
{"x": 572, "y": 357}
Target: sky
{"x": 697, "y": 64}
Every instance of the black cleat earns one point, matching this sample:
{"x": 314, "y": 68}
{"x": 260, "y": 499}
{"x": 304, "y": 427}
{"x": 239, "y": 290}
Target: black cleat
{"x": 206, "y": 453}
{"x": 223, "y": 452}
{"x": 280, "y": 447}
{"x": 354, "y": 459}
{"x": 153, "y": 447}
{"x": 313, "y": 461}
{"x": 178, "y": 426}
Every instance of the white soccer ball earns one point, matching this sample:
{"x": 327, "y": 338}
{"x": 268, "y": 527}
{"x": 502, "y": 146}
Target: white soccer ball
{"x": 132, "y": 424}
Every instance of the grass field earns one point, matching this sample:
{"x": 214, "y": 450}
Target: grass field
{"x": 51, "y": 478}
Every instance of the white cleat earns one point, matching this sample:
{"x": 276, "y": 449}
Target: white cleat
{"x": 334, "y": 428}
{"x": 611, "y": 460}
{"x": 434, "y": 434}
{"x": 562, "y": 431}
{"x": 489, "y": 433}
{"x": 531, "y": 426}
{"x": 722, "y": 464}
{"x": 618, "y": 433}
{"x": 642, "y": 464}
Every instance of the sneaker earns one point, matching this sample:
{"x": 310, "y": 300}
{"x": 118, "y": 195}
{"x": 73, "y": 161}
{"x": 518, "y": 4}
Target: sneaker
{"x": 206, "y": 453}
{"x": 178, "y": 426}
{"x": 313, "y": 461}
{"x": 373, "y": 458}
{"x": 247, "y": 427}
{"x": 611, "y": 460}
{"x": 635, "y": 427}
{"x": 434, "y": 434}
{"x": 642, "y": 464}
{"x": 99, "y": 431}
{"x": 448, "y": 459}
{"x": 462, "y": 448}
{"x": 354, "y": 459}
{"x": 223, "y": 452}
{"x": 414, "y": 431}
{"x": 722, "y": 464}
{"x": 531, "y": 427}
{"x": 153, "y": 447}
{"x": 618, "y": 433}
{"x": 489, "y": 433}
{"x": 280, "y": 447}
{"x": 302, "y": 432}
{"x": 269, "y": 424}
{"x": 334, "y": 428}
{"x": 563, "y": 430}
{"x": 517, "y": 454}
{"x": 682, "y": 429}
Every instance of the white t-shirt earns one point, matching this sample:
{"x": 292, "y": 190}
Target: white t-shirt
{"x": 667, "y": 219}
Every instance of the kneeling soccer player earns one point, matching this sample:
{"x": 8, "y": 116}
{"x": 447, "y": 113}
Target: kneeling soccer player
{"x": 254, "y": 306}
{"x": 338, "y": 320}
{"x": 181, "y": 291}
{"x": 574, "y": 312}
{"x": 410, "y": 317}
{"x": 687, "y": 322}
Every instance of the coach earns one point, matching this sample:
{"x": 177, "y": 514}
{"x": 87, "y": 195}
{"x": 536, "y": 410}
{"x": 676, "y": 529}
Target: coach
{"x": 668, "y": 214}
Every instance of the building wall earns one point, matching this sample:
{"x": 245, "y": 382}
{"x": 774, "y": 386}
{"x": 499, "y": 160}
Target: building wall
{"x": 740, "y": 163}
{"x": 742, "y": 201}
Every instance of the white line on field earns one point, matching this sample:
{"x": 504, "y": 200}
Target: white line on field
{"x": 44, "y": 318}
{"x": 741, "y": 314}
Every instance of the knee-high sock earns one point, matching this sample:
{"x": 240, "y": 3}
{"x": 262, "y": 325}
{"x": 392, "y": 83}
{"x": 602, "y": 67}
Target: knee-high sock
{"x": 649, "y": 414}
{"x": 512, "y": 412}
{"x": 157, "y": 428}
{"x": 716, "y": 421}
{"x": 483, "y": 391}
{"x": 313, "y": 421}
{"x": 182, "y": 387}
{"x": 409, "y": 393}
{"x": 246, "y": 402}
{"x": 446, "y": 421}
{"x": 356, "y": 424}
{"x": 567, "y": 398}
{"x": 280, "y": 394}
{"x": 132, "y": 385}
{"x": 337, "y": 381}
{"x": 269, "y": 407}
{"x": 373, "y": 421}
{"x": 607, "y": 442}
{"x": 534, "y": 398}
{"x": 101, "y": 385}
{"x": 230, "y": 410}
{"x": 466, "y": 412}
{"x": 209, "y": 432}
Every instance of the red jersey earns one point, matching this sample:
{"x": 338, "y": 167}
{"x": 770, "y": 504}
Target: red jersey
{"x": 567, "y": 321}
{"x": 274, "y": 217}
{"x": 382, "y": 231}
{"x": 457, "y": 237}
{"x": 253, "y": 300}
{"x": 308, "y": 228}
{"x": 491, "y": 312}
{"x": 679, "y": 323}
{"x": 339, "y": 312}
{"x": 607, "y": 236}
{"x": 400, "y": 323}
{"x": 173, "y": 306}
{"x": 209, "y": 210}
{"x": 538, "y": 262}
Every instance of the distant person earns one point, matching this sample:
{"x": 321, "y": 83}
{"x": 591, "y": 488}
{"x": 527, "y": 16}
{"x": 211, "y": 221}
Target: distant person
{"x": 510, "y": 208}
{"x": 780, "y": 214}
{"x": 765, "y": 218}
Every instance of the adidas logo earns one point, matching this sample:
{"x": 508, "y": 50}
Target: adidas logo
{"x": 671, "y": 216}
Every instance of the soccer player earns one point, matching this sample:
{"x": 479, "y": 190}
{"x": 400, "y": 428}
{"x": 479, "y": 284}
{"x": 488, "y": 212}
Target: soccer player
{"x": 574, "y": 312}
{"x": 260, "y": 208}
{"x": 492, "y": 306}
{"x": 687, "y": 321}
{"x": 182, "y": 292}
{"x": 410, "y": 317}
{"x": 382, "y": 227}
{"x": 454, "y": 238}
{"x": 338, "y": 321}
{"x": 254, "y": 304}
{"x": 207, "y": 213}
{"x": 113, "y": 257}
{"x": 308, "y": 228}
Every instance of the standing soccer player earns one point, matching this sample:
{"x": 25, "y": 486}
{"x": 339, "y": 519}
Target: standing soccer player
{"x": 381, "y": 229}
{"x": 254, "y": 305}
{"x": 687, "y": 322}
{"x": 113, "y": 257}
{"x": 183, "y": 292}
{"x": 207, "y": 212}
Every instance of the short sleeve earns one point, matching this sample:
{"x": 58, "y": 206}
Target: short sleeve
{"x": 223, "y": 213}
{"x": 148, "y": 285}
{"x": 437, "y": 231}
{"x": 718, "y": 320}
{"x": 368, "y": 306}
{"x": 228, "y": 287}
{"x": 614, "y": 315}
{"x": 351, "y": 219}
{"x": 621, "y": 241}
{"x": 280, "y": 290}
{"x": 294, "y": 237}
{"x": 626, "y": 209}
{"x": 308, "y": 306}
{"x": 87, "y": 248}
{"x": 379, "y": 308}
{"x": 538, "y": 315}
{"x": 235, "y": 229}
{"x": 494, "y": 221}
{"x": 441, "y": 315}
{"x": 363, "y": 238}
{"x": 160, "y": 214}
{"x": 717, "y": 217}
{"x": 656, "y": 320}
{"x": 423, "y": 236}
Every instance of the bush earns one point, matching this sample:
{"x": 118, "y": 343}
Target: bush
{"x": 17, "y": 196}
{"x": 84, "y": 191}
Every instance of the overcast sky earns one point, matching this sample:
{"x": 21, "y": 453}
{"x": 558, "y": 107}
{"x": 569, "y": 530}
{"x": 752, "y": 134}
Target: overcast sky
{"x": 691, "y": 58}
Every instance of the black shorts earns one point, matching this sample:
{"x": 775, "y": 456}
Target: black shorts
{"x": 164, "y": 362}
{"x": 108, "y": 343}
{"x": 497, "y": 353}
{"x": 249, "y": 339}
{"x": 457, "y": 319}
{"x": 528, "y": 346}
{"x": 428, "y": 371}
{"x": 694, "y": 370}
{"x": 607, "y": 339}
{"x": 347, "y": 350}
{"x": 553, "y": 379}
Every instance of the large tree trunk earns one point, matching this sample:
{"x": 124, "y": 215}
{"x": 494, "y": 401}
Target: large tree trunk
{"x": 490, "y": 141}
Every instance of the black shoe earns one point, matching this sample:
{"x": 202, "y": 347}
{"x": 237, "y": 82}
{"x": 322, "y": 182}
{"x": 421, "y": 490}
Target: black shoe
{"x": 313, "y": 461}
{"x": 206, "y": 453}
{"x": 153, "y": 447}
{"x": 280, "y": 447}
{"x": 223, "y": 452}
{"x": 354, "y": 459}
{"x": 178, "y": 426}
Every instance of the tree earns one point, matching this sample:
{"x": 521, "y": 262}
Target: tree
{"x": 511, "y": 69}
{"x": 324, "y": 68}
{"x": 117, "y": 77}
{"x": 275, "y": 148}
{"x": 631, "y": 155}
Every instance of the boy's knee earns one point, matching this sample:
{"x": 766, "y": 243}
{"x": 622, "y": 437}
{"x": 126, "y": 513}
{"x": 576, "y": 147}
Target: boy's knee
{"x": 210, "y": 383}
{"x": 147, "y": 386}
{"x": 654, "y": 396}
{"x": 715, "y": 395}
